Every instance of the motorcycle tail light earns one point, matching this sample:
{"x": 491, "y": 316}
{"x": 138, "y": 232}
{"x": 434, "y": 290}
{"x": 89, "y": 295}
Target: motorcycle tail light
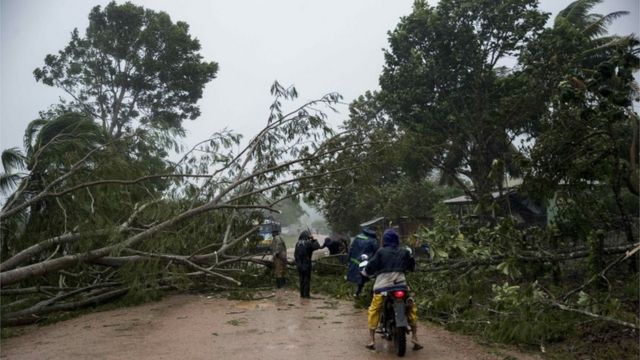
{"x": 398, "y": 294}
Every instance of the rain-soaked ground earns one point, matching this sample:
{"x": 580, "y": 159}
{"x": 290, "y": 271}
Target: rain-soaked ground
{"x": 280, "y": 326}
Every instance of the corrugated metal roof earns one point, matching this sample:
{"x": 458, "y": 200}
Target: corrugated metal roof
{"x": 371, "y": 222}
{"x": 465, "y": 199}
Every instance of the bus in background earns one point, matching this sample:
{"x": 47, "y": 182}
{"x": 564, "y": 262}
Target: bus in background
{"x": 265, "y": 232}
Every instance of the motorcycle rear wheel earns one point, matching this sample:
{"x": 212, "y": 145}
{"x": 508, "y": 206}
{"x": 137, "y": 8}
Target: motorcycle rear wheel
{"x": 400, "y": 340}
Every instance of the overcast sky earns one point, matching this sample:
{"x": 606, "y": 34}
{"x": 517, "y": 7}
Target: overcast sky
{"x": 318, "y": 46}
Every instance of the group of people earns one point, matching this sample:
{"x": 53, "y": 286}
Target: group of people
{"x": 388, "y": 264}
{"x": 304, "y": 248}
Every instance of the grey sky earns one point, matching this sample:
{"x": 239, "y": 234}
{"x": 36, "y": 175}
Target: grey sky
{"x": 319, "y": 46}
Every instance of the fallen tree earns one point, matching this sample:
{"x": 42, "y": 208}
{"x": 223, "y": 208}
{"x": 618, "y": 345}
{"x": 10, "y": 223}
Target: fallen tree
{"x": 529, "y": 286}
{"x": 202, "y": 220}
{"x": 525, "y": 256}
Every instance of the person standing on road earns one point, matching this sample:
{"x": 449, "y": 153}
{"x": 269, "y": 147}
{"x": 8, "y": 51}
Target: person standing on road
{"x": 365, "y": 243}
{"x": 279, "y": 255}
{"x": 304, "y": 249}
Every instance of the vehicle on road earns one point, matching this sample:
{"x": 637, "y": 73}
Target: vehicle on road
{"x": 265, "y": 233}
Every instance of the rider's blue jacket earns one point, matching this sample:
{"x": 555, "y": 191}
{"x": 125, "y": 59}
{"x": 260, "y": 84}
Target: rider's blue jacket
{"x": 390, "y": 259}
{"x": 389, "y": 264}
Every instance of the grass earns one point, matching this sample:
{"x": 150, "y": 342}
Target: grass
{"x": 6, "y": 333}
{"x": 238, "y": 322}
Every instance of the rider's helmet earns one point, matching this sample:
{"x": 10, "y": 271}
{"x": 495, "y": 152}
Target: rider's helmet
{"x": 390, "y": 238}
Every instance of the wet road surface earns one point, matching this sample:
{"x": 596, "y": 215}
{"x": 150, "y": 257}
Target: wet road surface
{"x": 281, "y": 326}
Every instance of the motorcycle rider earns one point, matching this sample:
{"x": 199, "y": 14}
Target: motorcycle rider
{"x": 389, "y": 264}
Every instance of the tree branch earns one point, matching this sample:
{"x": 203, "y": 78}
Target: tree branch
{"x": 185, "y": 261}
{"x": 596, "y": 316}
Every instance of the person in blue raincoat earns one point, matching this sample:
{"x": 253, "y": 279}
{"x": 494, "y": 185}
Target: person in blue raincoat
{"x": 364, "y": 243}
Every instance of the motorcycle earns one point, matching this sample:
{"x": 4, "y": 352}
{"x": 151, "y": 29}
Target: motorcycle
{"x": 394, "y": 324}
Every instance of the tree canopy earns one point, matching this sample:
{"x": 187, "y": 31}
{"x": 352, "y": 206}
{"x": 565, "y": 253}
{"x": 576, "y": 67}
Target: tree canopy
{"x": 132, "y": 67}
{"x": 441, "y": 81}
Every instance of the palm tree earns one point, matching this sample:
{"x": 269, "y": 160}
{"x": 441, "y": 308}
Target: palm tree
{"x": 593, "y": 28}
{"x": 13, "y": 160}
{"x": 592, "y": 25}
{"x": 589, "y": 130}
{"x": 51, "y": 146}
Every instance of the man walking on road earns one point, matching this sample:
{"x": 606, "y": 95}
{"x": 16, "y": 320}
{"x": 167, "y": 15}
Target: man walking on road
{"x": 305, "y": 247}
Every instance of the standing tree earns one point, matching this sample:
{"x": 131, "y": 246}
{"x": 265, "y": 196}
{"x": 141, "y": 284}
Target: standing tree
{"x": 381, "y": 176}
{"x": 132, "y": 64}
{"x": 442, "y": 81}
{"x": 586, "y": 78}
{"x": 589, "y": 133}
{"x": 133, "y": 78}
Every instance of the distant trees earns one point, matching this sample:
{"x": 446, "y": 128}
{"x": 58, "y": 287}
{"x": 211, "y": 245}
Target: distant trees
{"x": 290, "y": 211}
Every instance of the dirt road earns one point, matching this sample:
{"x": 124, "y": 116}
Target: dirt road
{"x": 282, "y": 326}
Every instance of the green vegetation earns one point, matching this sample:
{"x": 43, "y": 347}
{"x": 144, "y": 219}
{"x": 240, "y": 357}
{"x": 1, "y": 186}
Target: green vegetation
{"x": 147, "y": 77}
{"x": 238, "y": 322}
{"x": 449, "y": 113}
{"x": 96, "y": 214}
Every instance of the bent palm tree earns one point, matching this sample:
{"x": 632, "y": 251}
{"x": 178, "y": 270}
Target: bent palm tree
{"x": 51, "y": 146}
